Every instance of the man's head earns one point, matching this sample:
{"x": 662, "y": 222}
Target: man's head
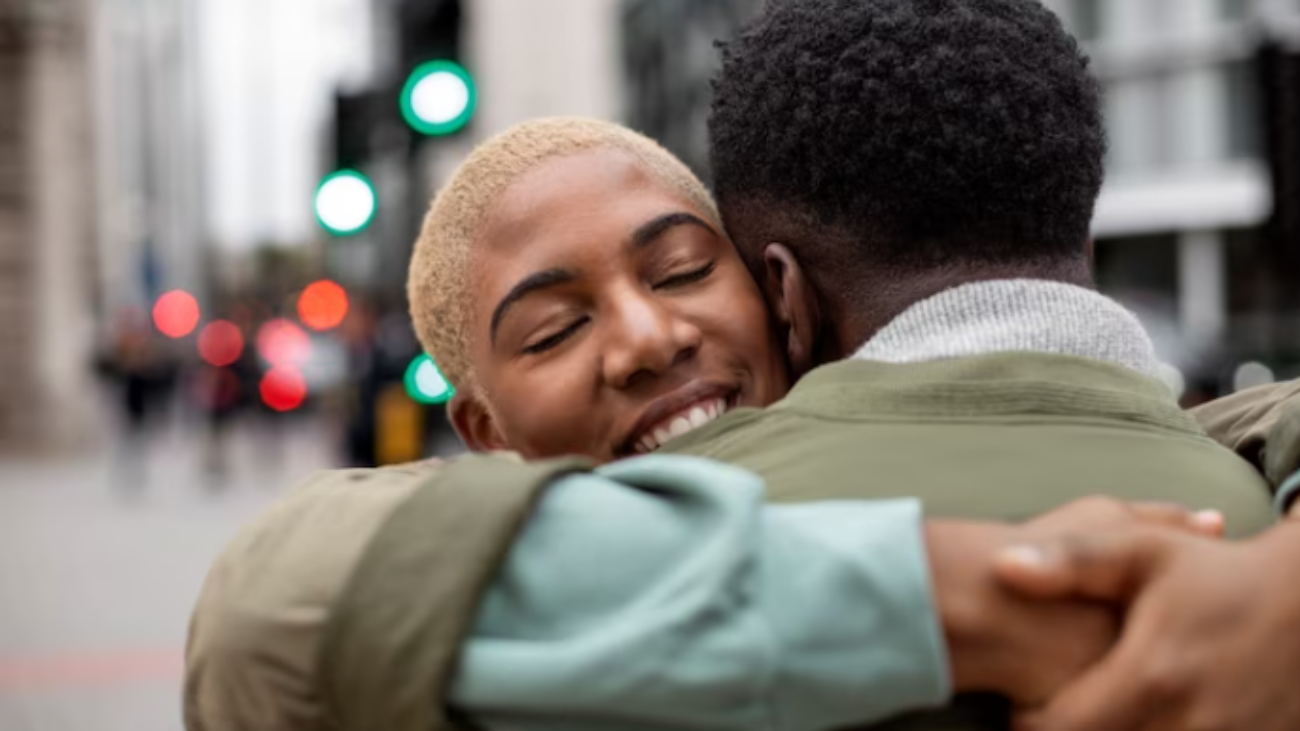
{"x": 893, "y": 148}
{"x": 576, "y": 286}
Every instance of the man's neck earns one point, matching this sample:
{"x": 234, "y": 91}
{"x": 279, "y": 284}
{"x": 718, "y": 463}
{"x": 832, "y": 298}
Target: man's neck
{"x": 875, "y": 304}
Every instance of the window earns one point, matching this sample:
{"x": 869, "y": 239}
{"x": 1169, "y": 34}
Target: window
{"x": 1233, "y": 10}
{"x": 1244, "y": 138}
{"x": 1140, "y": 118}
{"x": 1082, "y": 18}
{"x": 668, "y": 60}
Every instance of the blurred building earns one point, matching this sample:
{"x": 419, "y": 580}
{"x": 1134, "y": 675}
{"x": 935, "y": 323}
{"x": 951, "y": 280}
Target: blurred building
{"x": 668, "y": 61}
{"x": 149, "y": 115}
{"x": 529, "y": 59}
{"x": 47, "y": 222}
{"x": 1185, "y": 227}
{"x": 100, "y": 196}
{"x": 1200, "y": 98}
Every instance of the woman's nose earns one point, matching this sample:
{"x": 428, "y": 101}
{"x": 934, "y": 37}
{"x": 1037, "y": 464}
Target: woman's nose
{"x": 647, "y": 339}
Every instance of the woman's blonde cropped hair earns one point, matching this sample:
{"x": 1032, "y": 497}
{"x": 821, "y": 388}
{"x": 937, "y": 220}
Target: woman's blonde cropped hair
{"x": 437, "y": 284}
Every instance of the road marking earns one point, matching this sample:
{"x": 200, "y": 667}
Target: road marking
{"x": 96, "y": 670}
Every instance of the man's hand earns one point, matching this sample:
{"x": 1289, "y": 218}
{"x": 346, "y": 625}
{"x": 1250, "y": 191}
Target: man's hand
{"x": 1211, "y": 641}
{"x": 1026, "y": 648}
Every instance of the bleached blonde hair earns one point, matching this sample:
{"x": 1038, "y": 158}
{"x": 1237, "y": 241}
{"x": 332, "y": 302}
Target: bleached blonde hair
{"x": 438, "y": 286}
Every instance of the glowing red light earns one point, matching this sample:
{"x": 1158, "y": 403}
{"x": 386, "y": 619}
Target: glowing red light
{"x": 176, "y": 313}
{"x": 221, "y": 343}
{"x": 283, "y": 389}
{"x": 322, "y": 305}
{"x": 282, "y": 343}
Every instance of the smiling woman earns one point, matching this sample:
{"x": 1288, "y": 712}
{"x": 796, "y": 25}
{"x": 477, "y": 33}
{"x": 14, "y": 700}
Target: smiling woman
{"x": 575, "y": 284}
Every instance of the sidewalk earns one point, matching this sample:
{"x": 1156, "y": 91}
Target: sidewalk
{"x": 97, "y": 581}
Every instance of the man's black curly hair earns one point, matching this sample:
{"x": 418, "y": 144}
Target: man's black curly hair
{"x": 925, "y": 132}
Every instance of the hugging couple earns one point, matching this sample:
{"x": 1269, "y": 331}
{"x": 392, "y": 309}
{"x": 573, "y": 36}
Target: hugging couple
{"x": 814, "y": 451}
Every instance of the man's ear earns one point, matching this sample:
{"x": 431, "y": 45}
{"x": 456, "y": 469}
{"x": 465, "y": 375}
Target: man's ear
{"x": 474, "y": 424}
{"x": 793, "y": 300}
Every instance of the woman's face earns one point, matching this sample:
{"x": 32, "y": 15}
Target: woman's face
{"x": 610, "y": 315}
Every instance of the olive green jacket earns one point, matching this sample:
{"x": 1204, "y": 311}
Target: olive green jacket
{"x": 1002, "y": 437}
{"x": 300, "y": 614}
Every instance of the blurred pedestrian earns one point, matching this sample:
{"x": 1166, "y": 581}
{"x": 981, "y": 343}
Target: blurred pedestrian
{"x": 138, "y": 370}
{"x": 219, "y": 393}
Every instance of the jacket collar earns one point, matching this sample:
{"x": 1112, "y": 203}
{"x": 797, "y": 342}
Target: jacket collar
{"x": 1015, "y": 315}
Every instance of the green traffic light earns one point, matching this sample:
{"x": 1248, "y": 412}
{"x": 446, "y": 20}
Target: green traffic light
{"x": 425, "y": 383}
{"x": 438, "y": 98}
{"x": 345, "y": 202}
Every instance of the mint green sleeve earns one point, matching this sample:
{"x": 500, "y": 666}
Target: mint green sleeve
{"x": 662, "y": 593}
{"x": 1288, "y": 493}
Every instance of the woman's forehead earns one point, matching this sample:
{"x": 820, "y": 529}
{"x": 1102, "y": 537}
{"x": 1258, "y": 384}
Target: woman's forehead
{"x": 597, "y": 191}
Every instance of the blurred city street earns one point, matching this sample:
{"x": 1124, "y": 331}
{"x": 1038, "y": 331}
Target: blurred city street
{"x": 98, "y": 577}
{"x": 208, "y": 210}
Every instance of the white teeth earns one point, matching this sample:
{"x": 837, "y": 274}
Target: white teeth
{"x": 698, "y": 417}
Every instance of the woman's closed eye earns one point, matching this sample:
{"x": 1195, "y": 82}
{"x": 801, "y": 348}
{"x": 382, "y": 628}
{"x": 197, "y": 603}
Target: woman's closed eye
{"x": 548, "y": 342}
{"x": 685, "y": 278}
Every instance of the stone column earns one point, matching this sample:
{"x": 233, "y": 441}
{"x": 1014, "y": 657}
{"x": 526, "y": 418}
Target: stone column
{"x": 46, "y": 226}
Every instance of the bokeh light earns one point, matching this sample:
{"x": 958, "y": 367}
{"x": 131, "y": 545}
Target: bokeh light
{"x": 425, "y": 383}
{"x": 283, "y": 389}
{"x": 438, "y": 98}
{"x": 221, "y": 343}
{"x": 1252, "y": 374}
{"x": 322, "y": 305}
{"x": 345, "y": 202}
{"x": 282, "y": 343}
{"x": 176, "y": 313}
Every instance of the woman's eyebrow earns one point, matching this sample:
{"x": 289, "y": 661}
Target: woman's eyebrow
{"x": 526, "y": 286}
{"x": 651, "y": 230}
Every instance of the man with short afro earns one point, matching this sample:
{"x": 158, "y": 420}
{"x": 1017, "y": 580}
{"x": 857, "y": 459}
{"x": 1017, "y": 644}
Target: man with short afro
{"x": 896, "y": 140}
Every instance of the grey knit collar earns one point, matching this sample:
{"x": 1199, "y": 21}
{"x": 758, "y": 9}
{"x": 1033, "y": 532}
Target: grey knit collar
{"x": 1021, "y": 315}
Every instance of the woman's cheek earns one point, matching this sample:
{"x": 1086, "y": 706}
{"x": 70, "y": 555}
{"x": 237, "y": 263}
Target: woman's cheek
{"x": 551, "y": 416}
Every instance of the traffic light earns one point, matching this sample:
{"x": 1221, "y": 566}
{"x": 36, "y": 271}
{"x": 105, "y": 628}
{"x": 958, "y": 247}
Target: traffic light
{"x": 425, "y": 384}
{"x": 176, "y": 313}
{"x": 438, "y": 96}
{"x": 345, "y": 202}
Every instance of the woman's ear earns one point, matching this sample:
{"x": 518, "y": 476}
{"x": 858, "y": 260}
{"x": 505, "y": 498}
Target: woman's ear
{"x": 474, "y": 424}
{"x": 794, "y": 305}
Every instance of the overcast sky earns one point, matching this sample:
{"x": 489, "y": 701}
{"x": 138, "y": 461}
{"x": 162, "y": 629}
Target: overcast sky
{"x": 268, "y": 70}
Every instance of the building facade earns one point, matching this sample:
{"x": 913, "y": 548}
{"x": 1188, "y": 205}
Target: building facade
{"x": 148, "y": 116}
{"x": 1184, "y": 228}
{"x": 47, "y": 223}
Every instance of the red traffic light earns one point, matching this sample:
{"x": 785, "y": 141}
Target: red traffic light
{"x": 283, "y": 389}
{"x": 221, "y": 343}
{"x": 282, "y": 343}
{"x": 176, "y": 313}
{"x": 322, "y": 305}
